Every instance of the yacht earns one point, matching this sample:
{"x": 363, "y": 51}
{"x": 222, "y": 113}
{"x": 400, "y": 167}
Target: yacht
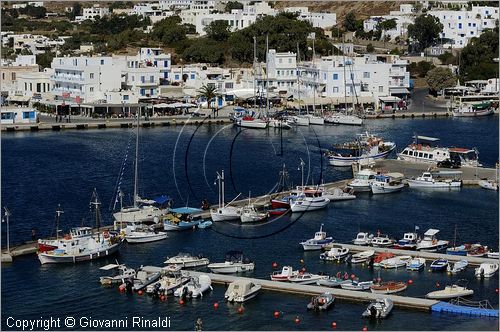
{"x": 224, "y": 212}
{"x": 427, "y": 180}
{"x": 235, "y": 262}
{"x": 315, "y": 120}
{"x": 362, "y": 180}
{"x": 318, "y": 242}
{"x": 241, "y": 291}
{"x": 430, "y": 242}
{"x": 185, "y": 260}
{"x": 299, "y": 120}
{"x": 143, "y": 234}
{"x": 345, "y": 119}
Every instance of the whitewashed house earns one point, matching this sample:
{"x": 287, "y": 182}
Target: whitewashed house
{"x": 317, "y": 19}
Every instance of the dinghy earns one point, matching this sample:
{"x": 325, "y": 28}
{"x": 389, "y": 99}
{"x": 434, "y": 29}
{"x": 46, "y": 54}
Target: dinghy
{"x": 241, "y": 291}
{"x": 458, "y": 266}
{"x": 380, "y": 308}
{"x": 395, "y": 262}
{"x": 195, "y": 287}
{"x": 321, "y": 302}
{"x": 450, "y": 292}
{"x": 486, "y": 270}
{"x": 439, "y": 265}
{"x": 362, "y": 257}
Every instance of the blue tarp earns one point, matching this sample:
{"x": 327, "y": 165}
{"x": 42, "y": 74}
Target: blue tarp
{"x": 162, "y": 199}
{"x": 186, "y": 210}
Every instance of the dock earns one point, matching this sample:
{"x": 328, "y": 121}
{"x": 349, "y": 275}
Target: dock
{"x": 311, "y": 290}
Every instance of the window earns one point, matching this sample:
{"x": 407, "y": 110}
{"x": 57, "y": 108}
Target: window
{"x": 430, "y": 156}
{"x": 13, "y": 76}
{"x": 420, "y": 154}
{"x": 459, "y": 17}
{"x": 335, "y": 89}
{"x": 473, "y": 24}
{"x": 3, "y": 76}
{"x": 151, "y": 79}
{"x": 352, "y": 76}
{"x": 102, "y": 62}
{"x": 152, "y": 91}
{"x": 91, "y": 75}
{"x": 25, "y": 86}
{"x": 176, "y": 76}
{"x": 460, "y": 25}
{"x": 165, "y": 63}
{"x": 125, "y": 97}
{"x": 366, "y": 74}
{"x": 193, "y": 76}
{"x": 380, "y": 88}
{"x": 31, "y": 86}
{"x": 426, "y": 155}
{"x": 405, "y": 152}
{"x": 143, "y": 92}
{"x": 335, "y": 76}
{"x": 278, "y": 73}
{"x": 91, "y": 89}
{"x": 231, "y": 22}
{"x": 289, "y": 60}
{"x": 155, "y": 63}
{"x": 324, "y": 76}
{"x": 39, "y": 87}
{"x": 143, "y": 79}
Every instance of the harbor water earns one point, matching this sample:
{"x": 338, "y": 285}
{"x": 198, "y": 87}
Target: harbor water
{"x": 44, "y": 169}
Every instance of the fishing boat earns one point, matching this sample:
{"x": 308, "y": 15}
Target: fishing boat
{"x": 336, "y": 253}
{"x": 427, "y": 180}
{"x": 235, "y": 262}
{"x": 367, "y": 146}
{"x": 473, "y": 110}
{"x": 439, "y": 265}
{"x": 430, "y": 242}
{"x": 241, "y": 291}
{"x": 356, "y": 285}
{"x": 478, "y": 251}
{"x": 318, "y": 242}
{"x": 309, "y": 200}
{"x": 184, "y": 218}
{"x": 380, "y": 308}
{"x": 395, "y": 262}
{"x": 168, "y": 283}
{"x": 185, "y": 260}
{"x": 143, "y": 234}
{"x": 388, "y": 287}
{"x": 408, "y": 242}
{"x": 277, "y": 212}
{"x": 306, "y": 278}
{"x": 224, "y": 212}
{"x": 362, "y": 257}
{"x": 122, "y": 273}
{"x": 458, "y": 266}
{"x": 450, "y": 292}
{"x": 488, "y": 184}
{"x": 386, "y": 184}
{"x": 382, "y": 241}
{"x": 415, "y": 264}
{"x": 337, "y": 194}
{"x": 486, "y": 270}
{"x": 285, "y": 273}
{"x": 363, "y": 239}
{"x": 362, "y": 180}
{"x": 250, "y": 214}
{"x": 321, "y": 302}
{"x": 336, "y": 281}
{"x": 195, "y": 287}
{"x": 382, "y": 256}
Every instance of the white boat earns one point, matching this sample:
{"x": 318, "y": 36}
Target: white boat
{"x": 145, "y": 276}
{"x": 473, "y": 110}
{"x": 458, "y": 266}
{"x": 337, "y": 194}
{"x": 250, "y": 214}
{"x": 315, "y": 120}
{"x": 251, "y": 122}
{"x": 284, "y": 274}
{"x": 122, "y": 274}
{"x": 362, "y": 257}
{"x": 362, "y": 180}
{"x": 241, "y": 291}
{"x": 336, "y": 253}
{"x": 143, "y": 235}
{"x": 395, "y": 262}
{"x": 309, "y": 200}
{"x": 306, "y": 278}
{"x": 427, "y": 180}
{"x": 492, "y": 254}
{"x": 224, "y": 212}
{"x": 380, "y": 308}
{"x": 356, "y": 285}
{"x": 450, "y": 292}
{"x": 186, "y": 260}
{"x": 430, "y": 242}
{"x": 279, "y": 123}
{"x": 382, "y": 240}
{"x": 344, "y": 119}
{"x": 195, "y": 287}
{"x": 363, "y": 239}
{"x": 385, "y": 184}
{"x": 321, "y": 302}
{"x": 318, "y": 242}
{"x": 334, "y": 281}
{"x": 299, "y": 120}
{"x": 415, "y": 264}
{"x": 488, "y": 184}
{"x": 235, "y": 262}
{"x": 408, "y": 242}
{"x": 486, "y": 270}
{"x": 366, "y": 147}
{"x": 168, "y": 283}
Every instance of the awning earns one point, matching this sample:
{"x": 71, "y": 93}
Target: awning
{"x": 389, "y": 99}
{"x": 22, "y": 99}
{"x": 399, "y": 91}
{"x": 162, "y": 199}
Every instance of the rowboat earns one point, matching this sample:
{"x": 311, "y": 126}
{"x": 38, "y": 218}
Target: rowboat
{"x": 362, "y": 257}
{"x": 388, "y": 287}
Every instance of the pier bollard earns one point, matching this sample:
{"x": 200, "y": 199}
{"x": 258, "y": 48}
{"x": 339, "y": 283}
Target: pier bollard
{"x": 412, "y": 116}
{"x": 423, "y": 115}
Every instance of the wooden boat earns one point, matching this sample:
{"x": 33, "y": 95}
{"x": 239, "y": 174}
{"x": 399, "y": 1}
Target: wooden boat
{"x": 321, "y": 302}
{"x": 478, "y": 251}
{"x": 388, "y": 287}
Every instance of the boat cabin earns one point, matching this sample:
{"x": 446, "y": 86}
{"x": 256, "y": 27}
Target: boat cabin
{"x": 430, "y": 235}
{"x": 365, "y": 174}
{"x": 410, "y": 237}
{"x": 466, "y": 156}
{"x": 80, "y": 232}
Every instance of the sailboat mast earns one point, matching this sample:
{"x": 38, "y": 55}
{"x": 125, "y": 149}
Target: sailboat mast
{"x": 222, "y": 190}
{"x": 58, "y": 219}
{"x": 267, "y": 75}
{"x": 298, "y": 74}
{"x": 254, "y": 72}
{"x": 136, "y": 168}
{"x": 345, "y": 86}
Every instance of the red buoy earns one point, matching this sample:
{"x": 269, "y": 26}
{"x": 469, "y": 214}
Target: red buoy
{"x": 303, "y": 269}
{"x": 216, "y": 305}
{"x": 438, "y": 285}
{"x": 139, "y": 292}
{"x": 276, "y": 314}
{"x": 379, "y": 280}
{"x": 240, "y": 310}
{"x": 181, "y": 302}
{"x": 162, "y": 298}
{"x": 353, "y": 276}
{"x": 410, "y": 282}
{"x": 496, "y": 290}
{"x": 365, "y": 328}
{"x": 297, "y": 320}
{"x": 121, "y": 289}
{"x": 275, "y": 265}
{"x": 334, "y": 325}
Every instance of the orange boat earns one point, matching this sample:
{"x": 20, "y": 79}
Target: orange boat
{"x": 388, "y": 287}
{"x": 381, "y": 256}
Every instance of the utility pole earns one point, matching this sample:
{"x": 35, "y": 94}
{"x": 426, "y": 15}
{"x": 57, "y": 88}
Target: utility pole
{"x": 7, "y": 217}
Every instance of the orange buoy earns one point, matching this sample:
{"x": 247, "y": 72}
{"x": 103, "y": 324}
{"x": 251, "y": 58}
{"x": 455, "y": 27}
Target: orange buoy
{"x": 240, "y": 310}
{"x": 139, "y": 292}
{"x": 334, "y": 325}
{"x": 275, "y": 265}
{"x": 297, "y": 320}
{"x": 410, "y": 282}
{"x": 216, "y": 305}
{"x": 121, "y": 289}
{"x": 276, "y": 314}
{"x": 181, "y": 302}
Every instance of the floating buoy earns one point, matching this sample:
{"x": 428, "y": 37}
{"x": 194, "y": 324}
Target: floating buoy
{"x": 181, "y": 302}
{"x": 334, "y": 325}
{"x": 240, "y": 310}
{"x": 302, "y": 261}
{"x": 139, "y": 292}
{"x": 437, "y": 285}
{"x": 216, "y": 305}
{"x": 121, "y": 289}
{"x": 365, "y": 328}
{"x": 162, "y": 298}
{"x": 496, "y": 290}
{"x": 410, "y": 282}
{"x": 297, "y": 320}
{"x": 275, "y": 265}
{"x": 276, "y": 314}
{"x": 303, "y": 269}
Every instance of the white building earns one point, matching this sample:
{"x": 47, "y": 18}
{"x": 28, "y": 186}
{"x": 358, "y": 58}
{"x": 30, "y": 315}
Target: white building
{"x": 92, "y": 13}
{"x": 18, "y": 115}
{"x": 317, "y": 20}
{"x": 237, "y": 19}
{"x": 282, "y": 70}
{"x": 175, "y": 4}
{"x": 403, "y": 18}
{"x": 461, "y": 26}
{"x": 31, "y": 3}
{"x": 35, "y": 85}
{"x": 148, "y": 9}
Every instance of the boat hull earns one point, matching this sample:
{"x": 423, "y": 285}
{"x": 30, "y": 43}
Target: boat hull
{"x": 145, "y": 239}
{"x": 181, "y": 226}
{"x": 376, "y": 189}
{"x": 48, "y": 258}
{"x": 486, "y": 112}
{"x": 348, "y": 161}
{"x": 306, "y": 205}
{"x": 231, "y": 268}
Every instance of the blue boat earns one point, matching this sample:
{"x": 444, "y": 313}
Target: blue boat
{"x": 457, "y": 251}
{"x": 439, "y": 265}
{"x": 182, "y": 218}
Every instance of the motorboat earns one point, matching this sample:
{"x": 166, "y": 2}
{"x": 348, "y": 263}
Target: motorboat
{"x": 382, "y": 241}
{"x": 344, "y": 119}
{"x": 319, "y": 241}
{"x": 380, "y": 308}
{"x": 309, "y": 200}
{"x": 336, "y": 281}
{"x": 356, "y": 285}
{"x": 299, "y": 120}
{"x": 235, "y": 262}
{"x": 284, "y": 274}
{"x": 224, "y": 212}
{"x": 195, "y": 287}
{"x": 388, "y": 287}
{"x": 145, "y": 276}
{"x": 379, "y": 257}
{"x": 168, "y": 283}
{"x": 283, "y": 203}
{"x": 493, "y": 255}
{"x": 458, "y": 266}
{"x": 415, "y": 264}
{"x": 143, "y": 234}
{"x": 486, "y": 270}
{"x": 184, "y": 218}
{"x": 427, "y": 180}
{"x": 279, "y": 123}
{"x": 250, "y": 214}
{"x": 395, "y": 262}
{"x": 478, "y": 251}
{"x": 251, "y": 122}
{"x": 337, "y": 194}
{"x": 362, "y": 257}
{"x": 205, "y": 224}
{"x": 306, "y": 278}
{"x": 362, "y": 180}
{"x": 439, "y": 265}
{"x": 473, "y": 110}
{"x": 366, "y": 146}
{"x": 408, "y": 242}
{"x": 336, "y": 253}
{"x": 363, "y": 239}
{"x": 186, "y": 260}
{"x": 122, "y": 273}
{"x": 385, "y": 184}
{"x": 488, "y": 184}
{"x": 430, "y": 242}
{"x": 321, "y": 302}
{"x": 241, "y": 291}
{"x": 450, "y": 292}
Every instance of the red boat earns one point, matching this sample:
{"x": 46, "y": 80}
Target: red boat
{"x": 42, "y": 247}
{"x": 280, "y": 204}
{"x": 478, "y": 251}
{"x": 278, "y": 211}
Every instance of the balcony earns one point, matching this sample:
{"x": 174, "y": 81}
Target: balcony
{"x": 67, "y": 78}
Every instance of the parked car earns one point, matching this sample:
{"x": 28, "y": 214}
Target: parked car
{"x": 449, "y": 163}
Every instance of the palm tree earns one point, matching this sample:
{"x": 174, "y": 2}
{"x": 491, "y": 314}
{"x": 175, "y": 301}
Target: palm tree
{"x": 209, "y": 92}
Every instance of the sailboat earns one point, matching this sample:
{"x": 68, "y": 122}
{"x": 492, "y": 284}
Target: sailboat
{"x": 249, "y": 213}
{"x": 309, "y": 199}
{"x": 224, "y": 212}
{"x": 142, "y": 210}
{"x": 314, "y": 119}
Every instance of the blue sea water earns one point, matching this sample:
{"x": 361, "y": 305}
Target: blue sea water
{"x": 44, "y": 169}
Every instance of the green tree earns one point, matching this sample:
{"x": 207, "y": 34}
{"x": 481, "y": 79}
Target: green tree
{"x": 477, "y": 57}
{"x": 425, "y": 31}
{"x": 209, "y": 93}
{"x": 169, "y": 31}
{"x": 75, "y": 11}
{"x": 34, "y": 11}
{"x": 447, "y": 58}
{"x": 218, "y": 30}
{"x": 440, "y": 78}
{"x": 204, "y": 50}
{"x": 45, "y": 59}
{"x": 350, "y": 22}
{"x": 230, "y": 5}
{"x": 370, "y": 48}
